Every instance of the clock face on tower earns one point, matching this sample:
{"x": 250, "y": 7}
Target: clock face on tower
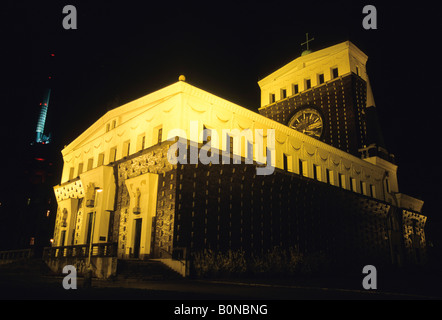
{"x": 308, "y": 121}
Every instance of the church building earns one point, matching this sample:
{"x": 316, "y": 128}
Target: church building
{"x": 180, "y": 171}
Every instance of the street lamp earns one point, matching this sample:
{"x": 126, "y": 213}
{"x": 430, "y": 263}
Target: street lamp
{"x": 88, "y": 276}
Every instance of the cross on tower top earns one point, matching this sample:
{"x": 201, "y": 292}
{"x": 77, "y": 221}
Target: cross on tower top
{"x": 307, "y": 41}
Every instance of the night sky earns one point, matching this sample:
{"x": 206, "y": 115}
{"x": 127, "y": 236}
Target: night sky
{"x": 123, "y": 50}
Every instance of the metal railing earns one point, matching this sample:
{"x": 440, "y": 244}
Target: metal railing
{"x": 12, "y": 255}
{"x": 108, "y": 249}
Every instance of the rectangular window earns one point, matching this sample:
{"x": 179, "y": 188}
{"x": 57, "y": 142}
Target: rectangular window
{"x": 90, "y": 163}
{"x": 303, "y": 168}
{"x": 287, "y": 163}
{"x": 207, "y": 134}
{"x": 230, "y": 144}
{"x": 283, "y": 93}
{"x": 159, "y": 134}
{"x": 342, "y": 183}
{"x": 113, "y": 154}
{"x": 272, "y": 98}
{"x": 320, "y": 78}
{"x": 207, "y": 137}
{"x": 330, "y": 177}
{"x": 295, "y": 89}
{"x": 363, "y": 187}
{"x": 71, "y": 173}
{"x": 372, "y": 191}
{"x": 317, "y": 172}
{"x": 334, "y": 73}
{"x": 114, "y": 124}
{"x": 80, "y": 168}
{"x": 387, "y": 185}
{"x": 126, "y": 148}
{"x": 308, "y": 84}
{"x": 141, "y": 141}
{"x": 353, "y": 185}
{"x": 100, "y": 159}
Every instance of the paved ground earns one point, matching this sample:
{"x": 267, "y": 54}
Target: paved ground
{"x": 35, "y": 284}
{"x": 33, "y": 287}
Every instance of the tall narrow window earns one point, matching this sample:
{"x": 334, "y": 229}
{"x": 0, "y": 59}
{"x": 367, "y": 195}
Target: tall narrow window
{"x": 353, "y": 184}
{"x": 207, "y": 134}
{"x": 126, "y": 148}
{"x": 100, "y": 159}
{"x": 160, "y": 135}
{"x": 71, "y": 173}
{"x": 334, "y": 73}
{"x": 317, "y": 172}
{"x": 141, "y": 141}
{"x": 230, "y": 144}
{"x": 283, "y": 93}
{"x": 308, "y": 84}
{"x": 330, "y": 177}
{"x": 90, "y": 163}
{"x": 295, "y": 89}
{"x": 207, "y": 138}
{"x": 287, "y": 163}
{"x": 113, "y": 154}
{"x": 303, "y": 168}
{"x": 363, "y": 187}
{"x": 342, "y": 183}
{"x": 320, "y": 78}
{"x": 272, "y": 98}
{"x": 80, "y": 168}
{"x": 372, "y": 191}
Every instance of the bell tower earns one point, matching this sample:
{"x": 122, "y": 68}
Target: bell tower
{"x": 326, "y": 94}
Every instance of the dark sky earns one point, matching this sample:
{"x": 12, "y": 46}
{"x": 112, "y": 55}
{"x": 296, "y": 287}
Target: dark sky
{"x": 123, "y": 50}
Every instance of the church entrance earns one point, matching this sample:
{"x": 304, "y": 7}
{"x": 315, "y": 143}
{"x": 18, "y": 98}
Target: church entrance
{"x": 137, "y": 238}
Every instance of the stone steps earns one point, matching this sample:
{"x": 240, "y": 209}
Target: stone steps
{"x": 145, "y": 270}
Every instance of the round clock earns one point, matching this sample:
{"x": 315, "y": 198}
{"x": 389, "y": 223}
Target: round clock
{"x": 308, "y": 121}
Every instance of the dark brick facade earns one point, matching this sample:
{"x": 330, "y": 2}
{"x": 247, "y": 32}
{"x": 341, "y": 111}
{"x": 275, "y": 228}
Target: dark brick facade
{"x": 340, "y": 101}
{"x": 229, "y": 207}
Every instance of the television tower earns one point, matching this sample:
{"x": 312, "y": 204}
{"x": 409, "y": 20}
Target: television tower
{"x": 41, "y": 137}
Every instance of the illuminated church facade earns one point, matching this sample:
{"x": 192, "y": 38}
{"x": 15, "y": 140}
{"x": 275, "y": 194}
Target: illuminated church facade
{"x": 331, "y": 185}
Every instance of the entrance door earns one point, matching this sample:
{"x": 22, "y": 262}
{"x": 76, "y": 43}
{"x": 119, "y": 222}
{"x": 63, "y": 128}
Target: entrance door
{"x": 137, "y": 240}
